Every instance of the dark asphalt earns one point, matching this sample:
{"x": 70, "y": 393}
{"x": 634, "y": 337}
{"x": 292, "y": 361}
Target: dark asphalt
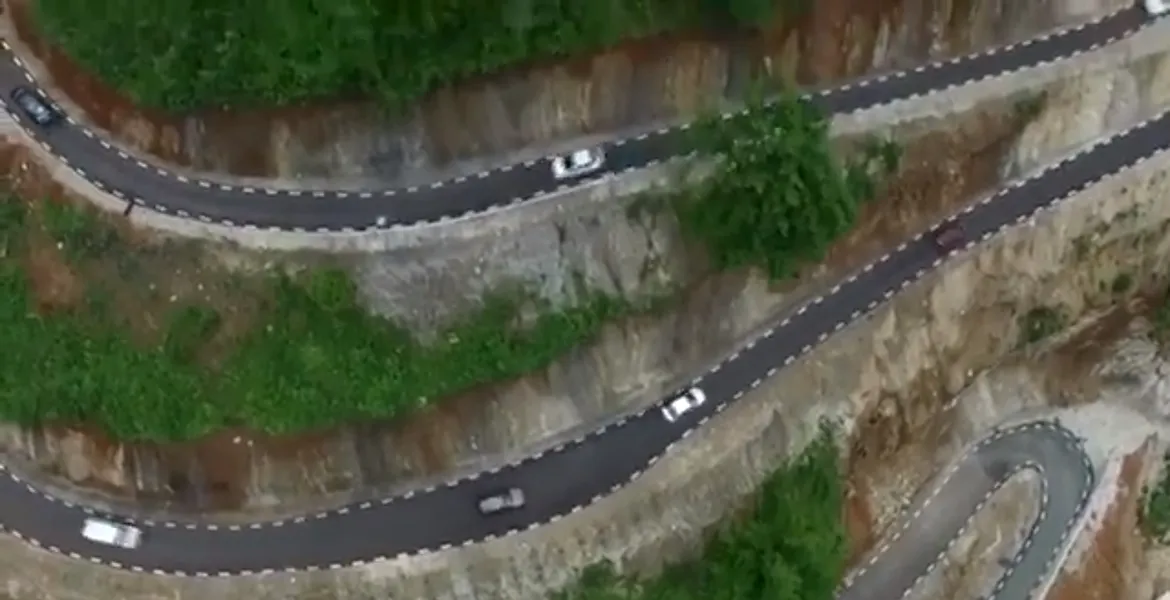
{"x": 555, "y": 483}
{"x": 500, "y": 188}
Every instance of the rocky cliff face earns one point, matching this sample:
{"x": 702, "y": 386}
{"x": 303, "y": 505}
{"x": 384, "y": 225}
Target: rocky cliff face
{"x": 468, "y": 127}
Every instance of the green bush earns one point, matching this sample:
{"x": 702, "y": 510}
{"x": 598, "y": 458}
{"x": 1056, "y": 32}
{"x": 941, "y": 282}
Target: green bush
{"x": 1156, "y": 510}
{"x": 1162, "y": 317}
{"x": 185, "y": 54}
{"x": 1040, "y": 323}
{"x": 778, "y": 196}
{"x": 315, "y": 358}
{"x": 792, "y": 547}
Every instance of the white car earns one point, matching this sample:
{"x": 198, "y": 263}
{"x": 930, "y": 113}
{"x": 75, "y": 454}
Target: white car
{"x": 682, "y": 404}
{"x": 1156, "y": 7}
{"x": 578, "y": 163}
{"x": 109, "y": 533}
{"x": 509, "y": 499}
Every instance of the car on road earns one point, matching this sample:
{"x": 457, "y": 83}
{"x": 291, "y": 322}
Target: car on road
{"x": 683, "y": 404}
{"x": 110, "y": 533}
{"x": 949, "y": 237}
{"x": 577, "y": 163}
{"x": 1156, "y": 7}
{"x": 509, "y": 499}
{"x": 34, "y": 106}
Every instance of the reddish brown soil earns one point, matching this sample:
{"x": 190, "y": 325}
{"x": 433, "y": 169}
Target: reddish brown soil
{"x": 858, "y": 518}
{"x": 1116, "y": 555}
{"x": 54, "y": 282}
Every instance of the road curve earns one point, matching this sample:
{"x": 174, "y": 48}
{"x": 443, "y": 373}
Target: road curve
{"x": 157, "y": 188}
{"x": 938, "y": 519}
{"x": 584, "y": 469}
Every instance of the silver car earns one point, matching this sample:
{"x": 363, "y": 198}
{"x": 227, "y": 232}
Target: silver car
{"x": 101, "y": 531}
{"x": 578, "y": 163}
{"x": 509, "y": 499}
{"x": 683, "y": 404}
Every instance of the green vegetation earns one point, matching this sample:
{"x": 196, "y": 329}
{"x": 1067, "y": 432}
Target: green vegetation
{"x": 778, "y": 196}
{"x": 792, "y": 547}
{"x": 1156, "y": 514}
{"x": 310, "y": 358}
{"x": 1082, "y": 246}
{"x": 1030, "y": 107}
{"x": 1040, "y": 323}
{"x": 1122, "y": 283}
{"x": 1162, "y": 318}
{"x": 179, "y": 55}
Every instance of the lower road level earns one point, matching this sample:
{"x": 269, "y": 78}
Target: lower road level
{"x": 940, "y": 517}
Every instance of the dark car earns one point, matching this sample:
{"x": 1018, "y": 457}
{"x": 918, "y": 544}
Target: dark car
{"x": 34, "y": 106}
{"x": 949, "y": 237}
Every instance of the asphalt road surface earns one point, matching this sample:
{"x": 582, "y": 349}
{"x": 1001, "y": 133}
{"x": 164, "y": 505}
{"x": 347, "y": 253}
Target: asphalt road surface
{"x": 159, "y": 189}
{"x": 601, "y": 462}
{"x": 938, "y": 518}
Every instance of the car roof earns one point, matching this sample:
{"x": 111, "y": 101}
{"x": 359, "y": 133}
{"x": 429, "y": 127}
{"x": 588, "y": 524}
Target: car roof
{"x": 32, "y": 101}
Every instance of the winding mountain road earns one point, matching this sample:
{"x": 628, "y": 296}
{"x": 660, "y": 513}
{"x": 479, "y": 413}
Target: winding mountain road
{"x": 602, "y": 461}
{"x": 937, "y": 520}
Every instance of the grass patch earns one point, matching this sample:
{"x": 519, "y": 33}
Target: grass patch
{"x": 1156, "y": 506}
{"x": 182, "y": 55}
{"x": 309, "y": 357}
{"x": 1040, "y": 323}
{"x": 791, "y": 547}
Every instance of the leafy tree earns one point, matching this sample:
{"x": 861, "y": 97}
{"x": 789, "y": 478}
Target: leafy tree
{"x": 778, "y": 196}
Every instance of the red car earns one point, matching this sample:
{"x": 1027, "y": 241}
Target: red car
{"x": 949, "y": 237}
